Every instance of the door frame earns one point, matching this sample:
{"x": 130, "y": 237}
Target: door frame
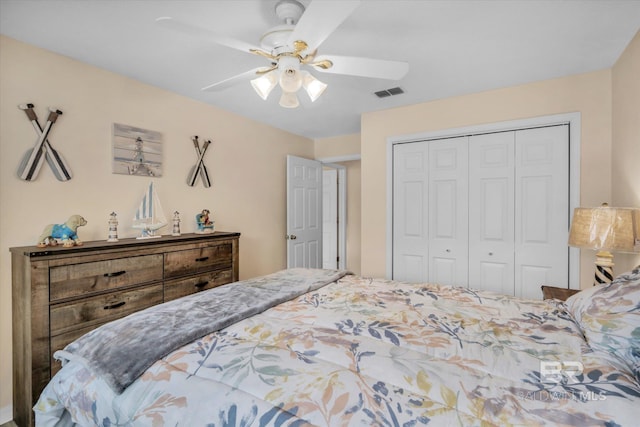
{"x": 342, "y": 211}
{"x": 572, "y": 119}
{"x": 342, "y": 204}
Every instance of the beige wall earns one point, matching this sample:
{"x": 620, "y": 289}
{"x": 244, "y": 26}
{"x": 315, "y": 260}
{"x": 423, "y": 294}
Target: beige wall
{"x": 625, "y": 174}
{"x": 246, "y": 162}
{"x": 589, "y": 94}
{"x": 337, "y": 146}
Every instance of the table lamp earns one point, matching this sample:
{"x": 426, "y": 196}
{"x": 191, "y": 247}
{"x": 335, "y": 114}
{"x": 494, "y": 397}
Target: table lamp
{"x": 605, "y": 229}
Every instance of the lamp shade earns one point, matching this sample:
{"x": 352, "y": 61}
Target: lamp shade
{"x": 289, "y": 100}
{"x": 607, "y": 228}
{"x": 313, "y": 86}
{"x": 264, "y": 84}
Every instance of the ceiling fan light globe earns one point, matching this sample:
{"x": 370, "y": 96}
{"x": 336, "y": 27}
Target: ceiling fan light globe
{"x": 263, "y": 85}
{"x": 313, "y": 86}
{"x": 289, "y": 100}
{"x": 290, "y": 80}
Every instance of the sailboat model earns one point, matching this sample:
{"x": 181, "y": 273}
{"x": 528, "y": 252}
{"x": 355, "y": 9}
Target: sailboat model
{"x": 149, "y": 217}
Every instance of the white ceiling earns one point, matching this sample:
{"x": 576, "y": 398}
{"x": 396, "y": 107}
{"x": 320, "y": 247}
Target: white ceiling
{"x": 453, "y": 47}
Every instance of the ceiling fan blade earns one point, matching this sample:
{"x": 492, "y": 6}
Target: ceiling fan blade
{"x": 203, "y": 33}
{"x": 231, "y": 81}
{"x": 320, "y": 19}
{"x": 363, "y": 67}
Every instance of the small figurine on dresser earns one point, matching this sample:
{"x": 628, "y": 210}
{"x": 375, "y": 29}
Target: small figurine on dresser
{"x": 176, "y": 224}
{"x": 113, "y": 228}
{"x": 205, "y": 225}
{"x": 62, "y": 233}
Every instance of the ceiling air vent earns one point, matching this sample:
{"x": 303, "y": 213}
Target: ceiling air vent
{"x": 389, "y": 92}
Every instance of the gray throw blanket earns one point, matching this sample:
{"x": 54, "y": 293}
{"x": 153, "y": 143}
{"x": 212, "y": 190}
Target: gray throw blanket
{"x": 120, "y": 351}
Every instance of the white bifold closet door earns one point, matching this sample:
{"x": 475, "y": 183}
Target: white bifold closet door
{"x": 492, "y": 220}
{"x": 448, "y": 211}
{"x": 411, "y": 212}
{"x": 541, "y": 209}
{"x": 485, "y": 211}
{"x": 430, "y": 225}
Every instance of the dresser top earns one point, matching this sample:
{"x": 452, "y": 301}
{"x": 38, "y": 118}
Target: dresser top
{"x": 128, "y": 243}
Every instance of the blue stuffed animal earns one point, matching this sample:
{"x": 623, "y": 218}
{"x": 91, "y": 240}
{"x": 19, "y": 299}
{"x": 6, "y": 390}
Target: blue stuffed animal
{"x": 65, "y": 233}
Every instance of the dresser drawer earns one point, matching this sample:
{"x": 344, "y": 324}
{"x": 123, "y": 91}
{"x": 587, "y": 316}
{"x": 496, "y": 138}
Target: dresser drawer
{"x": 199, "y": 260}
{"x": 72, "y": 280}
{"x": 99, "y": 309}
{"x": 59, "y": 342}
{"x": 182, "y": 287}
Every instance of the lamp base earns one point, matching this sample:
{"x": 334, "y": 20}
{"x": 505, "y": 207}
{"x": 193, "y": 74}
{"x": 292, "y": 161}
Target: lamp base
{"x": 604, "y": 268}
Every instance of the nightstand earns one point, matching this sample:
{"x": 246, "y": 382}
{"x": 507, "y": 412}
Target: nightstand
{"x": 549, "y": 292}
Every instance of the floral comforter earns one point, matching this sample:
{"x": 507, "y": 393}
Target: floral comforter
{"x": 367, "y": 352}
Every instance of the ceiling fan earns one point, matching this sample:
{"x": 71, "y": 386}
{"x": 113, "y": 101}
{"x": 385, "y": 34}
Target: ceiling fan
{"x": 292, "y": 45}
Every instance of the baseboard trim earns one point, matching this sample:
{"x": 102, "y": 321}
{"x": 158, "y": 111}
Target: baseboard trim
{"x": 6, "y": 414}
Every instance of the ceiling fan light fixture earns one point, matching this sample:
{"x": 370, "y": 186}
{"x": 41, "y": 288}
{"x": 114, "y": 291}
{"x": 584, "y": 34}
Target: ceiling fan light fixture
{"x": 290, "y": 80}
{"x": 264, "y": 84}
{"x": 290, "y": 77}
{"x": 289, "y": 100}
{"x": 313, "y": 86}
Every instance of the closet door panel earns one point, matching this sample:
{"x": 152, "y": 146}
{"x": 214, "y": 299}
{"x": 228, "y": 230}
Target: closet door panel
{"x": 491, "y": 212}
{"x": 410, "y": 212}
{"x": 542, "y": 209}
{"x": 448, "y": 211}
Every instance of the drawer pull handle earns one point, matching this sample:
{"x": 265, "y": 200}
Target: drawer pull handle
{"x": 204, "y": 258}
{"x": 116, "y": 274}
{"x": 115, "y": 305}
{"x": 201, "y": 284}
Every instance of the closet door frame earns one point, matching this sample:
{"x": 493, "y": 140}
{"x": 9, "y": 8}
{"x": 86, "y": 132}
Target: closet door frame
{"x": 571, "y": 119}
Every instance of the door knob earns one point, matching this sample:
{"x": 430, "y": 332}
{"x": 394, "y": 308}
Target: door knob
{"x": 291, "y": 237}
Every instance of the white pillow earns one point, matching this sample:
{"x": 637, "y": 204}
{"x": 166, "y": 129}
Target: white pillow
{"x": 609, "y": 317}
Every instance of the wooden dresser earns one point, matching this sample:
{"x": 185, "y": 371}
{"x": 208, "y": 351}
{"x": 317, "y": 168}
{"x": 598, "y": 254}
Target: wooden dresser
{"x": 61, "y": 293}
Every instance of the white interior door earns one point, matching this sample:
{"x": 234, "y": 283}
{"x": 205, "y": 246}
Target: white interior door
{"x": 304, "y": 213}
{"x": 410, "y": 212}
{"x": 330, "y": 218}
{"x": 541, "y": 209}
{"x": 491, "y": 212}
{"x": 449, "y": 211}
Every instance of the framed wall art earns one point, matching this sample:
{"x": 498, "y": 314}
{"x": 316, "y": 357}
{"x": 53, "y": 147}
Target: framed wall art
{"x": 136, "y": 151}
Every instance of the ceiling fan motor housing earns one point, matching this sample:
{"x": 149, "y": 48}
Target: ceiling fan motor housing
{"x": 289, "y": 11}
{"x": 275, "y": 39}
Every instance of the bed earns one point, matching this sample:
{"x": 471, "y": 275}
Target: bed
{"x": 328, "y": 348}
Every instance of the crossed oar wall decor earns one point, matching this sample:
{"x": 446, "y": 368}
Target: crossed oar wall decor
{"x": 199, "y": 169}
{"x": 33, "y": 158}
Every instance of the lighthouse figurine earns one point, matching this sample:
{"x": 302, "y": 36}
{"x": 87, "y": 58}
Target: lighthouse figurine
{"x": 113, "y": 228}
{"x": 176, "y": 224}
